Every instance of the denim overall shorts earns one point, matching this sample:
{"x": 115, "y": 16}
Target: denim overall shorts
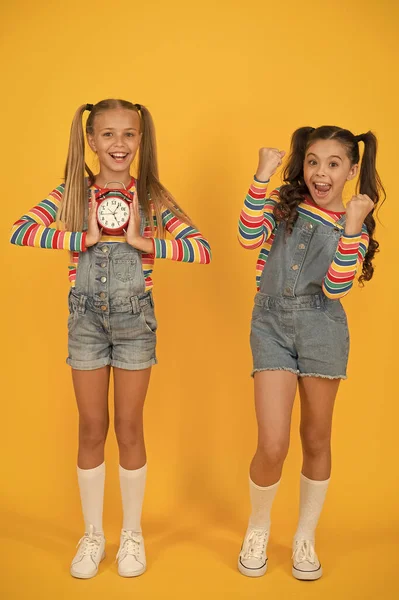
{"x": 294, "y": 326}
{"x": 111, "y": 317}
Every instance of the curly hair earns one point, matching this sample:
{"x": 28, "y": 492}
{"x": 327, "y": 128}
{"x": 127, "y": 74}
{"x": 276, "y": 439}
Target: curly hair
{"x": 294, "y": 189}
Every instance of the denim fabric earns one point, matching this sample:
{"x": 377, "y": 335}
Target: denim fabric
{"x": 294, "y": 326}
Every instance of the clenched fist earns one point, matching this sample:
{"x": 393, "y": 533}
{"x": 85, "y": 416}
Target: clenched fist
{"x": 357, "y": 210}
{"x": 269, "y": 161}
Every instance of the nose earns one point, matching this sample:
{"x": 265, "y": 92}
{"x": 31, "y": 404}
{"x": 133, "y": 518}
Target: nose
{"x": 118, "y": 140}
{"x": 320, "y": 171}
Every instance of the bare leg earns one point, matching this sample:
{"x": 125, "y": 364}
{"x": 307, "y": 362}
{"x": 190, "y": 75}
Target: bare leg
{"x": 91, "y": 391}
{"x": 130, "y": 392}
{"x": 274, "y": 399}
{"x": 317, "y": 406}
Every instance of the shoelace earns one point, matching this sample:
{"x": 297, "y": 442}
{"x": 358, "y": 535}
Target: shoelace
{"x": 90, "y": 542}
{"x": 255, "y": 544}
{"x": 304, "y": 552}
{"x": 130, "y": 545}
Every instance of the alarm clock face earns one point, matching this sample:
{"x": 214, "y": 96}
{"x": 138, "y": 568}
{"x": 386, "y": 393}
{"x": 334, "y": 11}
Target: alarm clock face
{"x": 113, "y": 213}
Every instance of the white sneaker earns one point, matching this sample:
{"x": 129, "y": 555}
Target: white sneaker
{"x": 306, "y": 566}
{"x": 131, "y": 554}
{"x": 252, "y": 560}
{"x": 90, "y": 554}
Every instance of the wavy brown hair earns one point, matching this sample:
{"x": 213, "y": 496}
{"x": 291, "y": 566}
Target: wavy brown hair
{"x": 294, "y": 189}
{"x": 149, "y": 188}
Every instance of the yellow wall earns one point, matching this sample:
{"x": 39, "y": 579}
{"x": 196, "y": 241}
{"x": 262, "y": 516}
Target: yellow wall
{"x": 221, "y": 79}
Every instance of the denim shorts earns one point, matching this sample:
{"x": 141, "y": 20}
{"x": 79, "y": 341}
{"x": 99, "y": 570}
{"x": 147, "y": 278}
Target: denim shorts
{"x": 307, "y": 335}
{"x": 124, "y": 336}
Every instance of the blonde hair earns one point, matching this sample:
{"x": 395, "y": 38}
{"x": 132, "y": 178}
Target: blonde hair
{"x": 149, "y": 188}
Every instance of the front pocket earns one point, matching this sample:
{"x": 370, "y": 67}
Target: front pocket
{"x": 72, "y": 320}
{"x": 148, "y": 318}
{"x": 335, "y": 311}
{"x": 259, "y": 306}
{"x": 257, "y": 313}
{"x": 124, "y": 267}
{"x": 73, "y": 302}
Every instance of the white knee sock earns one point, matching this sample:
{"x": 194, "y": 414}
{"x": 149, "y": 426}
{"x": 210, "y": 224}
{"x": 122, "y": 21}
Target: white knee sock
{"x": 132, "y": 490}
{"x": 261, "y": 502}
{"x": 312, "y": 498}
{"x": 91, "y": 486}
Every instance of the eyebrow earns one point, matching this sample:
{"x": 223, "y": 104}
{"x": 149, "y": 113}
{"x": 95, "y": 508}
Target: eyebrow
{"x": 332, "y": 155}
{"x": 113, "y": 129}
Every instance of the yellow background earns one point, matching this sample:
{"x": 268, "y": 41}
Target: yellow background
{"x": 222, "y": 78}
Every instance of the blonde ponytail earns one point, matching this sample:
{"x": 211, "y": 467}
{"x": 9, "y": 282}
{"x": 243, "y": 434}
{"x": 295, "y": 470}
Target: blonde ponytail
{"x": 74, "y": 200}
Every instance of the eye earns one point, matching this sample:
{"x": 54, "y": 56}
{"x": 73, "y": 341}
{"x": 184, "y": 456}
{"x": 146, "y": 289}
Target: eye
{"x": 312, "y": 162}
{"x": 334, "y": 164}
{"x": 130, "y": 134}
{"x": 107, "y": 134}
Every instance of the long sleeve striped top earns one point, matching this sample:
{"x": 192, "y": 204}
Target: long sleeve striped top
{"x": 37, "y": 229}
{"x": 257, "y": 227}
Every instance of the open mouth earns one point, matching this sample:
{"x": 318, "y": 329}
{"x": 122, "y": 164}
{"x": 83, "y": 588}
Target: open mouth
{"x": 321, "y": 189}
{"x": 119, "y": 157}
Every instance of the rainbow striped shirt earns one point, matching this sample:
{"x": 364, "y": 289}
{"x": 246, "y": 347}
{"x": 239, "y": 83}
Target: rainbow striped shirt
{"x": 37, "y": 228}
{"x": 257, "y": 227}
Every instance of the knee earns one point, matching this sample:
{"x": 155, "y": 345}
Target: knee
{"x": 315, "y": 444}
{"x": 128, "y": 433}
{"x": 272, "y": 453}
{"x": 93, "y": 432}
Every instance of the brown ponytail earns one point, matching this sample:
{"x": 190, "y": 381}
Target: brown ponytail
{"x": 369, "y": 183}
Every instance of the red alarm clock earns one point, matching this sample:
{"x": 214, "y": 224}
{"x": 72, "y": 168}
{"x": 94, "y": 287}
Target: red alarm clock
{"x": 113, "y": 208}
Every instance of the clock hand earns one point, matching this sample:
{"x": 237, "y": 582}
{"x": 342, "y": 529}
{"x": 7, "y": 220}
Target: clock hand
{"x": 110, "y": 211}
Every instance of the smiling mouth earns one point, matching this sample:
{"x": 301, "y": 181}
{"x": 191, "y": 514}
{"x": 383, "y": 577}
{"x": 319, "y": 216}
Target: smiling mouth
{"x": 119, "y": 157}
{"x": 321, "y": 189}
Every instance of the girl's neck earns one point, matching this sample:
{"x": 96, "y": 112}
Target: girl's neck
{"x": 105, "y": 176}
{"x": 334, "y": 205}
{"x": 338, "y": 206}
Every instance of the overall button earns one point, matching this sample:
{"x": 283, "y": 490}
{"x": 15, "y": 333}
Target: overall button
{"x": 102, "y": 295}
{"x": 288, "y": 290}
{"x": 103, "y": 279}
{"x": 105, "y": 249}
{"x": 103, "y": 307}
{"x": 295, "y": 267}
{"x": 103, "y": 265}
{"x": 309, "y": 226}
{"x": 301, "y": 247}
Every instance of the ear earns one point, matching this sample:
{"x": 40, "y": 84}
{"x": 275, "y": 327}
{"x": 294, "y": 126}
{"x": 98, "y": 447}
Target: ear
{"x": 91, "y": 142}
{"x": 353, "y": 172}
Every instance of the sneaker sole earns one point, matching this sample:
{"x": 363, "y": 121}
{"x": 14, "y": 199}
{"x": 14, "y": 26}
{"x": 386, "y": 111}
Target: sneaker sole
{"x": 133, "y": 573}
{"x": 84, "y": 575}
{"x": 307, "y": 575}
{"x": 252, "y": 572}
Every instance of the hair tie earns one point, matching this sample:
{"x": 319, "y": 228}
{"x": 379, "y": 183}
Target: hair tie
{"x": 89, "y": 107}
{"x": 138, "y": 106}
{"x": 359, "y": 138}
{"x": 312, "y": 129}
